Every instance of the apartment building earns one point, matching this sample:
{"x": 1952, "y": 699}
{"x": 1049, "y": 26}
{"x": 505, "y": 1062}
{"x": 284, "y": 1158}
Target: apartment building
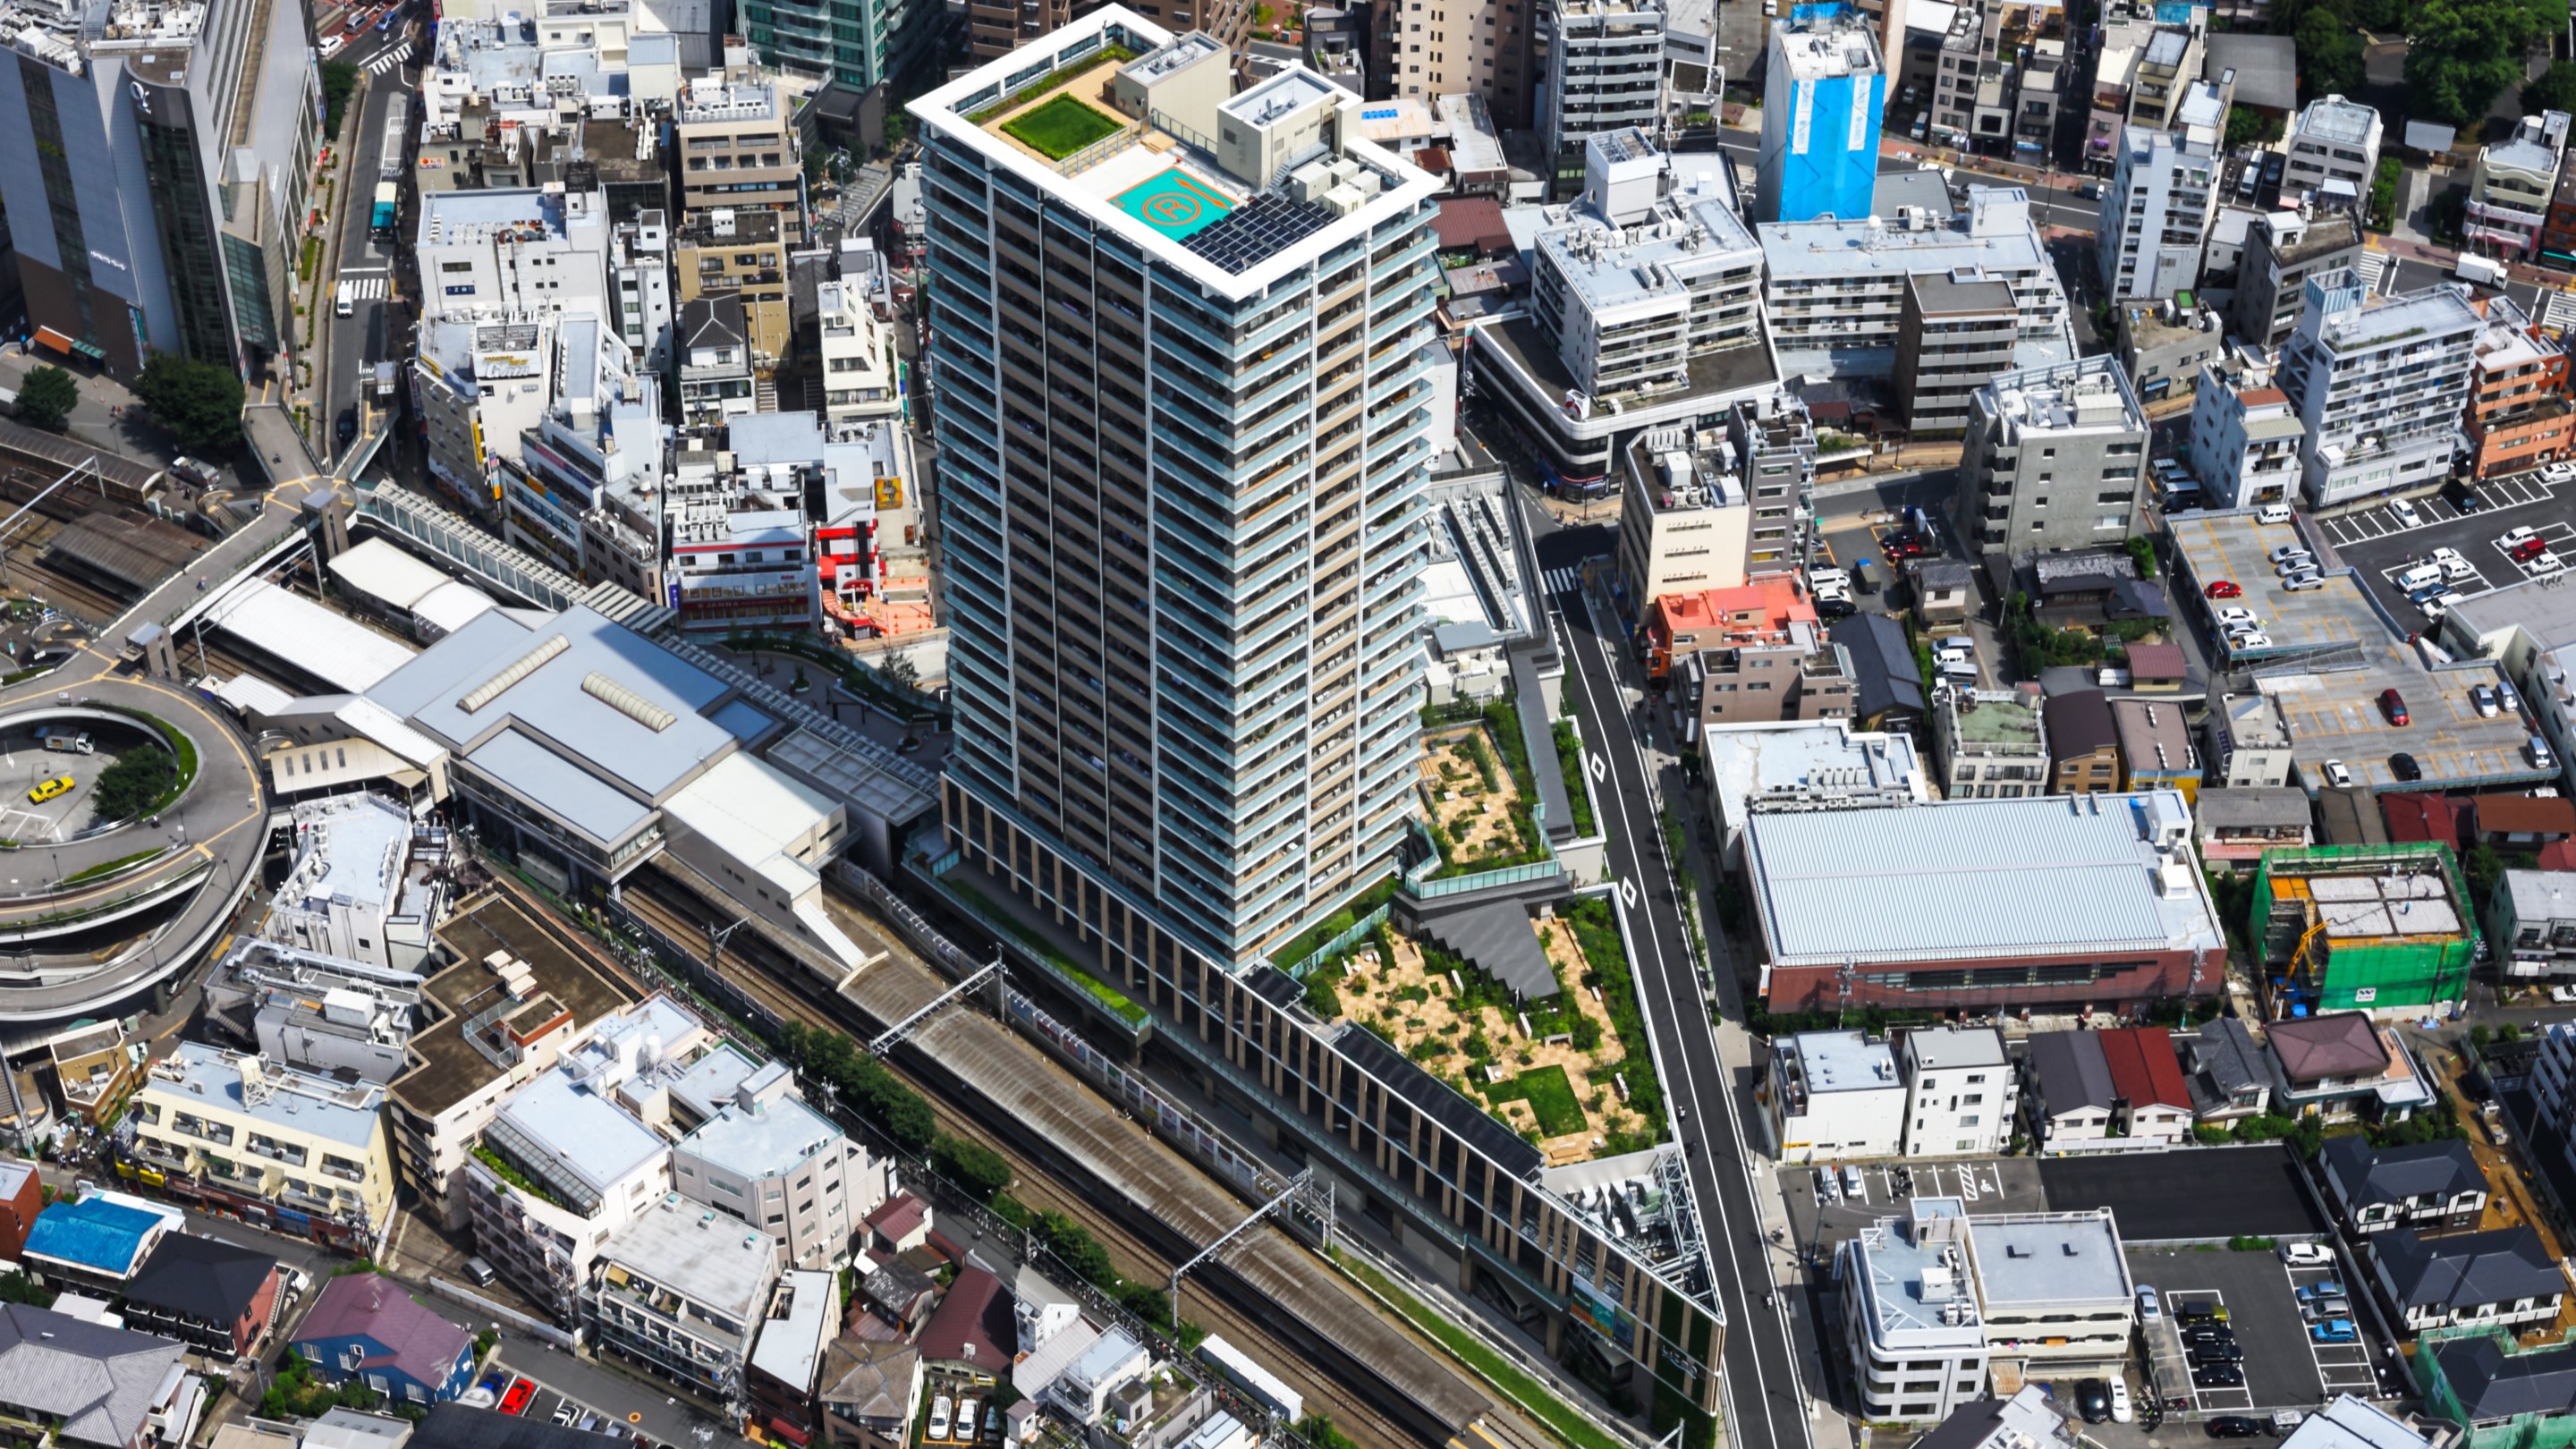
{"x": 1952, "y": 337}
{"x": 1644, "y": 312}
{"x": 2055, "y": 1290}
{"x": 2334, "y": 152}
{"x": 1712, "y": 509}
{"x": 1991, "y": 745}
{"x": 2511, "y": 185}
{"x": 2161, "y": 82}
{"x": 1825, "y": 89}
{"x": 1835, "y": 290}
{"x": 2156, "y": 212}
{"x": 2381, "y": 387}
{"x": 639, "y": 269}
{"x": 567, "y": 1162}
{"x": 1834, "y": 1096}
{"x": 857, "y": 353}
{"x": 1913, "y": 1330}
{"x": 2245, "y": 436}
{"x": 1435, "y": 48}
{"x": 2054, "y": 460}
{"x": 737, "y": 149}
{"x": 756, "y": 1151}
{"x": 2518, "y": 410}
{"x": 2282, "y": 250}
{"x": 164, "y": 153}
{"x": 2163, "y": 346}
{"x": 2248, "y": 742}
{"x": 235, "y": 1131}
{"x": 2532, "y": 917}
{"x": 1195, "y": 881}
{"x": 1605, "y": 72}
{"x": 1750, "y": 654}
{"x": 742, "y": 254}
{"x": 679, "y": 1291}
{"x": 1960, "y": 1092}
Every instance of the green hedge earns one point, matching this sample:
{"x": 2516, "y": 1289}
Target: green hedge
{"x": 1569, "y": 763}
{"x": 1596, "y": 930}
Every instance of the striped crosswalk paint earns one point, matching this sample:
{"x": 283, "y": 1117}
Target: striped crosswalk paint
{"x": 390, "y": 59}
{"x": 1564, "y": 581}
{"x": 365, "y": 288}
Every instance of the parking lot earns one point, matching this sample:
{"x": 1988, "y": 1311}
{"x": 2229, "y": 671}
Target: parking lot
{"x": 1985, "y": 1184}
{"x": 2280, "y": 1364}
{"x": 511, "y": 1391}
{"x": 26, "y": 765}
{"x": 2378, "y": 544}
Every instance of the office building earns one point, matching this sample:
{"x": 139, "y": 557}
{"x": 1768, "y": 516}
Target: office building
{"x": 2163, "y": 346}
{"x": 2245, "y": 436}
{"x": 583, "y": 492}
{"x": 1605, "y": 72}
{"x": 513, "y": 255}
{"x": 1825, "y": 89}
{"x": 2155, "y": 213}
{"x": 1918, "y": 1350}
{"x": 738, "y": 149}
{"x": 2016, "y": 902}
{"x": 2381, "y": 386}
{"x": 238, "y": 1132}
{"x": 1834, "y": 291}
{"x": 1960, "y": 1091}
{"x": 159, "y": 192}
{"x": 857, "y": 353}
{"x": 1750, "y": 654}
{"x": 2518, "y": 411}
{"x": 2510, "y": 188}
{"x": 353, "y": 890}
{"x": 1834, "y": 1095}
{"x": 2282, "y": 250}
{"x": 741, "y": 254}
{"x": 1158, "y": 856}
{"x": 879, "y": 42}
{"x": 639, "y": 269}
{"x": 2334, "y": 153}
{"x": 1349, "y": 209}
{"x": 1952, "y": 338}
{"x": 1711, "y": 508}
{"x": 2054, "y": 460}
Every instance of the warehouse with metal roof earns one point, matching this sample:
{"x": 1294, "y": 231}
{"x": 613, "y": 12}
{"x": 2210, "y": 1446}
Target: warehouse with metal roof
{"x": 2091, "y": 899}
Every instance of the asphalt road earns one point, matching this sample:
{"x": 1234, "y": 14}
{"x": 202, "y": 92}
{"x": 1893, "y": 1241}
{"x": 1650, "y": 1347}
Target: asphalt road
{"x": 1766, "y": 1408}
{"x": 366, "y": 261}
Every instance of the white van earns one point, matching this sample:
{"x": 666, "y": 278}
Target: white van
{"x": 1957, "y": 646}
{"x": 348, "y": 299}
{"x": 2420, "y": 576}
{"x": 938, "y": 1418}
{"x": 2272, "y": 513}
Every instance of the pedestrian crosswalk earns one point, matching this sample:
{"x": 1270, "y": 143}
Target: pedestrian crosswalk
{"x": 391, "y": 58}
{"x": 1564, "y": 581}
{"x": 2371, "y": 265}
{"x": 362, "y": 289}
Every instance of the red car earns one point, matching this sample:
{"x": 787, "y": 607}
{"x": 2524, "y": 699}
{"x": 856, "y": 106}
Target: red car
{"x": 2529, "y": 549}
{"x": 516, "y": 1400}
{"x": 1902, "y": 548}
{"x": 2224, "y": 589}
{"x": 2395, "y": 705}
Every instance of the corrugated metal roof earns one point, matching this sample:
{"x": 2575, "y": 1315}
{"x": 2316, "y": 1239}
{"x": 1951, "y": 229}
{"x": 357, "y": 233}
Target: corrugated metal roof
{"x": 1966, "y": 878}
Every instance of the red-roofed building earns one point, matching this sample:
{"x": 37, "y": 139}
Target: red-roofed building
{"x": 2149, "y": 1078}
{"x": 972, "y": 1330}
{"x": 1472, "y": 224}
{"x": 901, "y": 1225}
{"x": 2415, "y": 818}
{"x": 1750, "y": 654}
{"x": 2524, "y": 822}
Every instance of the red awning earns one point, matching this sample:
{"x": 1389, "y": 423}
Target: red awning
{"x": 788, "y": 1431}
{"x": 55, "y": 340}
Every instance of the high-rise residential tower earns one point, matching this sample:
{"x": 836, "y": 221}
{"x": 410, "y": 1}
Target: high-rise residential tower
{"x": 1182, "y": 457}
{"x": 1827, "y": 87}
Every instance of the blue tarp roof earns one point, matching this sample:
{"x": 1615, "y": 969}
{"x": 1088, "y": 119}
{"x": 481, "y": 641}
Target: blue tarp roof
{"x": 94, "y": 1234}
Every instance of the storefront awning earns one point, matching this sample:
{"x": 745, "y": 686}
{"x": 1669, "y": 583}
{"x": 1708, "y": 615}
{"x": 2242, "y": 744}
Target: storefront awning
{"x": 48, "y": 337}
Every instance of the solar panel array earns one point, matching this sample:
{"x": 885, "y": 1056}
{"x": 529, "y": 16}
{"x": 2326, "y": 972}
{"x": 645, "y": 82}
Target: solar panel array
{"x": 1259, "y": 228}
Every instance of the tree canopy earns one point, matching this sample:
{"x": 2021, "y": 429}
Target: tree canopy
{"x": 200, "y": 403}
{"x": 46, "y": 397}
{"x": 2555, "y": 90}
{"x": 2462, "y": 54}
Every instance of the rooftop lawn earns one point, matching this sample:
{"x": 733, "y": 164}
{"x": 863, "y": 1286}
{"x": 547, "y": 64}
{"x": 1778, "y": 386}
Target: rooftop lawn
{"x": 1060, "y": 127}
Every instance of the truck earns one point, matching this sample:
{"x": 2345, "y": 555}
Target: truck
{"x": 2480, "y": 270}
{"x": 395, "y": 157}
{"x": 388, "y": 200}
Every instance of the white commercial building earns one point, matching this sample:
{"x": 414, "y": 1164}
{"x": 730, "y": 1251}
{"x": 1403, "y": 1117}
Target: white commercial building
{"x": 2334, "y": 149}
{"x": 2380, "y": 388}
{"x": 2155, "y": 213}
{"x": 352, "y": 892}
{"x": 1803, "y": 765}
{"x": 2244, "y": 436}
{"x": 1959, "y": 1092}
{"x": 513, "y": 254}
{"x": 1833, "y": 291}
{"x": 1835, "y": 1096}
{"x": 1910, "y": 1318}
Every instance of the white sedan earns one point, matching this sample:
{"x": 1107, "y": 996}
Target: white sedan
{"x": 2404, "y": 511}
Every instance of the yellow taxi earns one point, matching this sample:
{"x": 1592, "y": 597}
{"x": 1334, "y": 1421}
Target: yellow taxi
{"x": 59, "y": 785}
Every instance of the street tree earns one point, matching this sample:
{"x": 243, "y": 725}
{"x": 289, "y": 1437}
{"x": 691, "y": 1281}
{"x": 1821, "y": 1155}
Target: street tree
{"x": 199, "y": 402}
{"x": 46, "y": 397}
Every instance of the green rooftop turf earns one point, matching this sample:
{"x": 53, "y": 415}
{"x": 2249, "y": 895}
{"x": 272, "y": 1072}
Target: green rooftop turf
{"x": 1060, "y": 127}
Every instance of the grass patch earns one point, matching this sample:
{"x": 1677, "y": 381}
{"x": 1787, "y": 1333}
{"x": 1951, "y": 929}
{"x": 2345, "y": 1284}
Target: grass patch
{"x": 1060, "y": 127}
{"x": 107, "y": 868}
{"x": 1063, "y": 76}
{"x": 1045, "y": 947}
{"x": 1569, "y": 763}
{"x": 1550, "y": 1095}
{"x": 1560, "y": 1418}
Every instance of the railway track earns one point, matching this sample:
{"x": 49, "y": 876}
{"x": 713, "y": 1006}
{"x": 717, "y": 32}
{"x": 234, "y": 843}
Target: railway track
{"x": 1351, "y": 1413}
